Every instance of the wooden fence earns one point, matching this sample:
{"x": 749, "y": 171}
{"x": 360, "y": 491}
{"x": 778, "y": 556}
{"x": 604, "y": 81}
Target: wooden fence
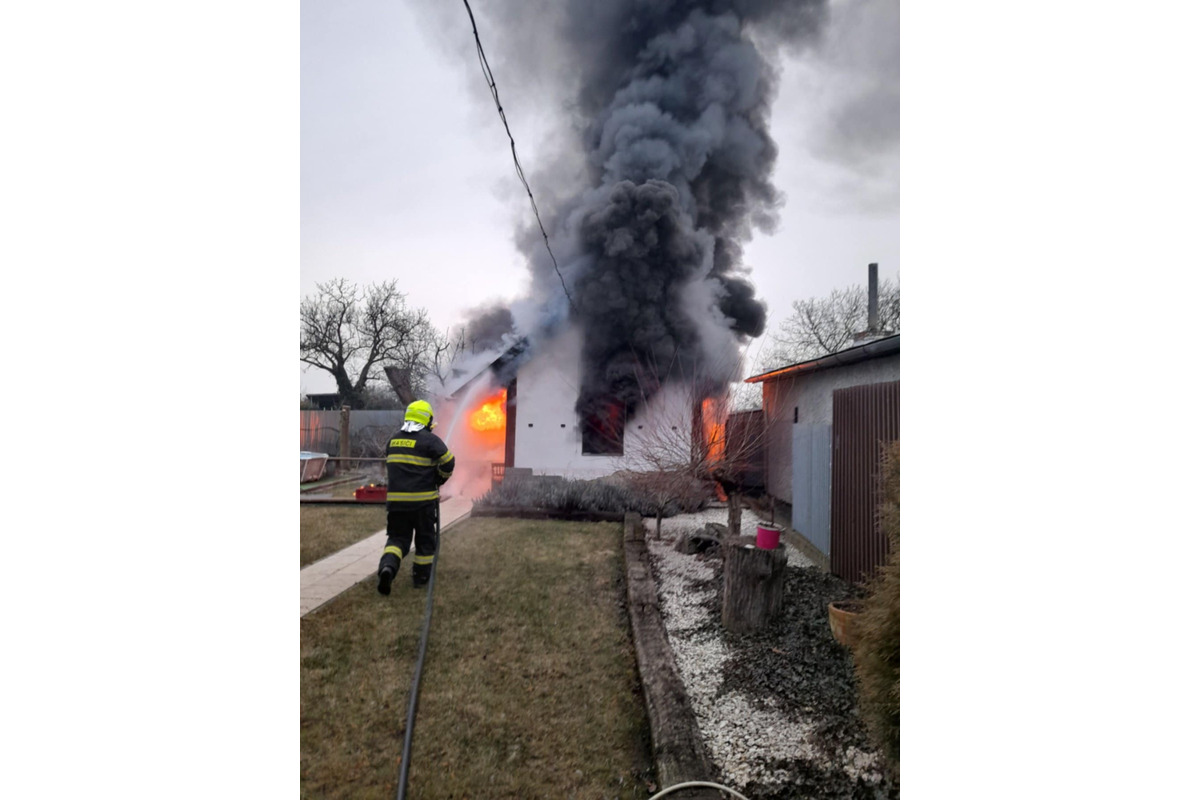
{"x": 319, "y": 431}
{"x": 865, "y": 419}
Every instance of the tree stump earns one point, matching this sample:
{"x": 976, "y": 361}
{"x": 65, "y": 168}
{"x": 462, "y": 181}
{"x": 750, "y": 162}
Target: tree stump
{"x": 753, "y": 585}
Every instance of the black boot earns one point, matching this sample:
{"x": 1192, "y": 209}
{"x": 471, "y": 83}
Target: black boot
{"x": 420, "y": 579}
{"x": 385, "y": 580}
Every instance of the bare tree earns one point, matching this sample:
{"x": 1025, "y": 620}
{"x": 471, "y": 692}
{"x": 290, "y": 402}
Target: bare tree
{"x": 443, "y": 350}
{"x": 430, "y": 358}
{"x": 823, "y": 325}
{"x": 351, "y": 333}
{"x": 377, "y": 397}
{"x": 689, "y": 446}
{"x": 666, "y": 463}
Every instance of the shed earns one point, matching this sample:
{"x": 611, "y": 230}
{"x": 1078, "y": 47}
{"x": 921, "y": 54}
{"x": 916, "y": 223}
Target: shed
{"x": 825, "y": 420}
{"x": 327, "y": 401}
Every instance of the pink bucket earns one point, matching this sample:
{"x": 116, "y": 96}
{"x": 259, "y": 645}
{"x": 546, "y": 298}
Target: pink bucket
{"x": 768, "y": 537}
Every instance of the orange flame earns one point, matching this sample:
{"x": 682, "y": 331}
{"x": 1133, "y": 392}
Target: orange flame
{"x": 714, "y": 435}
{"x": 490, "y": 416}
{"x": 714, "y": 439}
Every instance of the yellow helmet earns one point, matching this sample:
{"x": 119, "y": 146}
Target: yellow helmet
{"x": 419, "y": 411}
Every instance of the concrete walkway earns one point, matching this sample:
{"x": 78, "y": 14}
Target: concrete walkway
{"x": 323, "y": 580}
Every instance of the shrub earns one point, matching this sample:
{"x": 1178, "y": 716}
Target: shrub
{"x": 559, "y": 494}
{"x": 667, "y": 493}
{"x": 877, "y": 651}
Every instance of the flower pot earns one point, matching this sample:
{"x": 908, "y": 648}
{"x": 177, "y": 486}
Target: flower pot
{"x": 843, "y": 614}
{"x": 768, "y": 537}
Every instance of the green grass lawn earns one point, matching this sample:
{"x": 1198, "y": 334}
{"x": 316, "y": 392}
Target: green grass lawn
{"x": 326, "y": 529}
{"x": 530, "y": 686}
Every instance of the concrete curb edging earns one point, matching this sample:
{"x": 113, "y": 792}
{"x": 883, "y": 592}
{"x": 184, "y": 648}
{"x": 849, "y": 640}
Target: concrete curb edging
{"x": 679, "y": 752}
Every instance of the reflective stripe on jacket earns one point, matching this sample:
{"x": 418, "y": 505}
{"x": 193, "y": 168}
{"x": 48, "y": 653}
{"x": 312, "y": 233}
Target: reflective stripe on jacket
{"x": 418, "y": 462}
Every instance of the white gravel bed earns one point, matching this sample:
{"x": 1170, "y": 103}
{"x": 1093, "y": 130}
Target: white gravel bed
{"x": 743, "y": 740}
{"x": 672, "y": 527}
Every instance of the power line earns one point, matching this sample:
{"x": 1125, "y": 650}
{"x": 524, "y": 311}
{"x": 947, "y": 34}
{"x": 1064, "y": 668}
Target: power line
{"x": 491, "y": 82}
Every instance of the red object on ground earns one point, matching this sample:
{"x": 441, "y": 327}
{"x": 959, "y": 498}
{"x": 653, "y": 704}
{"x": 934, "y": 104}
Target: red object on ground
{"x": 768, "y": 537}
{"x": 371, "y": 493}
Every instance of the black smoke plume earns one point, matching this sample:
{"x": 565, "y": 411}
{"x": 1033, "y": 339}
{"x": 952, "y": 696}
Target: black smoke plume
{"x": 670, "y": 108}
{"x": 486, "y": 327}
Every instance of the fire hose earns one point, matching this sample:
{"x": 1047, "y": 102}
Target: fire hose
{"x": 414, "y": 692}
{"x": 416, "y": 684}
{"x": 695, "y": 784}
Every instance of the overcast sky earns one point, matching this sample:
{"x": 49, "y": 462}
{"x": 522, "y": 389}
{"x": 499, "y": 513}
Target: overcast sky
{"x": 406, "y": 171}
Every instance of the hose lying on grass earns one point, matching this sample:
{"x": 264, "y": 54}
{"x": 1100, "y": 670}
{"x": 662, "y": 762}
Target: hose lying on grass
{"x": 689, "y": 784}
{"x": 416, "y": 684}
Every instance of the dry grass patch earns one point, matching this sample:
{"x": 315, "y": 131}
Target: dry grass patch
{"x": 326, "y": 529}
{"x": 530, "y": 687}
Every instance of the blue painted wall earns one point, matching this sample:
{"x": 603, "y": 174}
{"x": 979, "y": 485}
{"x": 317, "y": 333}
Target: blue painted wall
{"x": 812, "y": 471}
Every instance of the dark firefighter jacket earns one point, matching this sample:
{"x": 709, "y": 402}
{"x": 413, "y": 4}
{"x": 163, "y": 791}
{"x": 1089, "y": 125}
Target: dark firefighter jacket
{"x": 418, "y": 462}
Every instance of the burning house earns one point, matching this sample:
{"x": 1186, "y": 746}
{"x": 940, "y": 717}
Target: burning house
{"x": 639, "y": 301}
{"x": 524, "y": 414}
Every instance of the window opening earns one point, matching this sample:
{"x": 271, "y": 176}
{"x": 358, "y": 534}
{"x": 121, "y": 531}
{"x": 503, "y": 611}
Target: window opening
{"x": 604, "y": 431}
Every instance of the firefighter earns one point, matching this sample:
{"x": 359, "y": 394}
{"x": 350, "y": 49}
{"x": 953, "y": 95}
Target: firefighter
{"x": 418, "y": 462}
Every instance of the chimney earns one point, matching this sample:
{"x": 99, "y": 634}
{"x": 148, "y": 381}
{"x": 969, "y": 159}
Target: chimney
{"x": 872, "y": 332}
{"x": 872, "y": 298}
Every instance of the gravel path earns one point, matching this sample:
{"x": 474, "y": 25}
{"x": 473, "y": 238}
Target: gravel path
{"x": 776, "y": 708}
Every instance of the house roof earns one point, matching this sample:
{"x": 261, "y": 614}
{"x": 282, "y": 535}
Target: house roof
{"x": 325, "y": 401}
{"x": 851, "y": 355}
{"x": 510, "y": 348}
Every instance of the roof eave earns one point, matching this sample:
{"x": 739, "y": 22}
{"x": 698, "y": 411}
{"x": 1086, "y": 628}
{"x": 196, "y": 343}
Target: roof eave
{"x": 851, "y": 355}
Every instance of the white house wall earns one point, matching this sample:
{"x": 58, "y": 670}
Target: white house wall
{"x": 548, "y": 439}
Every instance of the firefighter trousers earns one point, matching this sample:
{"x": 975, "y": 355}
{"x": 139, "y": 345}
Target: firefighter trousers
{"x": 402, "y": 524}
